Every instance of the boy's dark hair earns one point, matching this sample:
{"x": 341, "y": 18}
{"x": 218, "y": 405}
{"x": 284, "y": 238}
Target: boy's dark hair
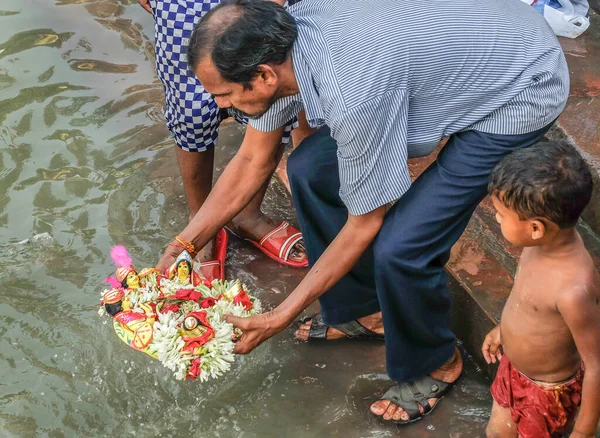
{"x": 548, "y": 180}
{"x": 241, "y": 35}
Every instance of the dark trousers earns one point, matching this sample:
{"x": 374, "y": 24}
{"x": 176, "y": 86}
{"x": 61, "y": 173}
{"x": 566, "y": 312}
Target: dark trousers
{"x": 402, "y": 273}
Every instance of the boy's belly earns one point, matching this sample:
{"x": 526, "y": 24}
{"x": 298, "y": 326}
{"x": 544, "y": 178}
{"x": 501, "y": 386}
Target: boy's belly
{"x": 540, "y": 348}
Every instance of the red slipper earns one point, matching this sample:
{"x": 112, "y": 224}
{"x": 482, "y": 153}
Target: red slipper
{"x": 215, "y": 269}
{"x": 278, "y": 243}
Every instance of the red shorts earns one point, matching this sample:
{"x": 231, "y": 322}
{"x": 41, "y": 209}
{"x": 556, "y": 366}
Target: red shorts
{"x": 539, "y": 411}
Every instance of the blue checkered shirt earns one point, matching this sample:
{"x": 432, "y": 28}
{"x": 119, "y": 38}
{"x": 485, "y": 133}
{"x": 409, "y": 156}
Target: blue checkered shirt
{"x": 392, "y": 78}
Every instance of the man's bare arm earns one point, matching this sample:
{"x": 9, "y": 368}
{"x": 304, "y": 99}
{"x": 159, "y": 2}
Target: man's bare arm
{"x": 336, "y": 261}
{"x": 240, "y": 182}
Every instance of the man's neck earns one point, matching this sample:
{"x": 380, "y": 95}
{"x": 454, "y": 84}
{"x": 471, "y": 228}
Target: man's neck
{"x": 288, "y": 86}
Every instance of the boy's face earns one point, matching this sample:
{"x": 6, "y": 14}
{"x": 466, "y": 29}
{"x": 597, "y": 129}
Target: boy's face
{"x": 528, "y": 232}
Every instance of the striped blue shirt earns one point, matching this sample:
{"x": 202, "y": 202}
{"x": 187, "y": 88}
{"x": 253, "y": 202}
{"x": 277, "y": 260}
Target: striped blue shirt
{"x": 391, "y": 78}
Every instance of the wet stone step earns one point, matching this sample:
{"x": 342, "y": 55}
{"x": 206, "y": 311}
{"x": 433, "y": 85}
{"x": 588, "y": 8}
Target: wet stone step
{"x": 579, "y": 121}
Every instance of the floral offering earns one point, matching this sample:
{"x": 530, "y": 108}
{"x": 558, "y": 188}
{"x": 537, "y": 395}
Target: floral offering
{"x": 177, "y": 316}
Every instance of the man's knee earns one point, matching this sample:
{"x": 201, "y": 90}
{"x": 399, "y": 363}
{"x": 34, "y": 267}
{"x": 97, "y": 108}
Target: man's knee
{"x": 392, "y": 251}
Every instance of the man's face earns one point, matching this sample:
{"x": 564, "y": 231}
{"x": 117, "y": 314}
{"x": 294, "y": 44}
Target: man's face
{"x": 252, "y": 102}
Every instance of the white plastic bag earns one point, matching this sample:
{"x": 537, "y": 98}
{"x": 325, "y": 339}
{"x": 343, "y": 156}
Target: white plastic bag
{"x": 568, "y": 18}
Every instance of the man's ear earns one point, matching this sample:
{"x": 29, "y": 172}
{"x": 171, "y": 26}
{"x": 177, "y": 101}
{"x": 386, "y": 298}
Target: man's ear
{"x": 266, "y": 75}
{"x": 538, "y": 229}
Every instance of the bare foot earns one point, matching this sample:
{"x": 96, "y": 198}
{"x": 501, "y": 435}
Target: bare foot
{"x": 372, "y": 322}
{"x": 448, "y": 373}
{"x": 256, "y": 227}
{"x": 207, "y": 253}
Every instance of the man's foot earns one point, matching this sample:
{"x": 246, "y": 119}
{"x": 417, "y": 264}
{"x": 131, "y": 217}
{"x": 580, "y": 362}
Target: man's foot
{"x": 372, "y": 322}
{"x": 448, "y": 373}
{"x": 207, "y": 253}
{"x": 257, "y": 226}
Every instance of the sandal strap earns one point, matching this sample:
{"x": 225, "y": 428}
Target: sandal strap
{"x": 410, "y": 395}
{"x": 352, "y": 329}
{"x": 288, "y": 245}
{"x": 355, "y": 329}
{"x": 281, "y": 240}
{"x": 267, "y": 236}
{"x": 396, "y": 396}
{"x": 318, "y": 328}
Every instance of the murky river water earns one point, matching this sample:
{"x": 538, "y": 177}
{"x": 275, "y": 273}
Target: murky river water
{"x": 85, "y": 163}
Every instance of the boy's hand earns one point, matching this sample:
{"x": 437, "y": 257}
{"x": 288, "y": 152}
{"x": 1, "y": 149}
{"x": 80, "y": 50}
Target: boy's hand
{"x": 576, "y": 434}
{"x": 491, "y": 346}
{"x": 146, "y": 5}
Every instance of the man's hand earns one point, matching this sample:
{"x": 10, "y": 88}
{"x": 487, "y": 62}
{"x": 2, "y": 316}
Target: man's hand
{"x": 168, "y": 258}
{"x": 146, "y": 5}
{"x": 334, "y": 263}
{"x": 257, "y": 329}
{"x": 491, "y": 346}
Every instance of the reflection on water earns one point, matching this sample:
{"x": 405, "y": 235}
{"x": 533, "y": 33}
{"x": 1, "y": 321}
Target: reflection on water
{"x": 85, "y": 163}
{"x": 32, "y": 38}
{"x": 100, "y": 66}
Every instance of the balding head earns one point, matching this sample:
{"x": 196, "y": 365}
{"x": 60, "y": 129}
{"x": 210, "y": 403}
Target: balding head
{"x": 241, "y": 35}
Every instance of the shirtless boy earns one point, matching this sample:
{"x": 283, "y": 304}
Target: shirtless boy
{"x": 550, "y": 325}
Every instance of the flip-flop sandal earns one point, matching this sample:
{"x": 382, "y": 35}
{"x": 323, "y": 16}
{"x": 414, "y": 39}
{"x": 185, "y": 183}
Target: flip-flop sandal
{"x": 410, "y": 395}
{"x": 215, "y": 269}
{"x": 352, "y": 329}
{"x": 278, "y": 244}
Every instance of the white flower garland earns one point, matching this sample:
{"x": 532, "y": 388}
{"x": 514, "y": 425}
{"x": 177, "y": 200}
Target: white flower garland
{"x": 216, "y": 356}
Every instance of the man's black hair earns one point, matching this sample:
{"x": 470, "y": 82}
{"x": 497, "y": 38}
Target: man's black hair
{"x": 548, "y": 180}
{"x": 240, "y": 35}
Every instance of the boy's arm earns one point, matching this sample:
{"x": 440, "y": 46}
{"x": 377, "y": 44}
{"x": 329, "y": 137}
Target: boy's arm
{"x": 581, "y": 312}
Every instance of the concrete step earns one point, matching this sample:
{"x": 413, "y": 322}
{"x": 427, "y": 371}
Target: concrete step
{"x": 579, "y": 121}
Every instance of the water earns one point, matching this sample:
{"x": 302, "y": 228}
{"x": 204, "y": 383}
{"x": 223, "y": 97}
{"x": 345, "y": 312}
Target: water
{"x": 85, "y": 163}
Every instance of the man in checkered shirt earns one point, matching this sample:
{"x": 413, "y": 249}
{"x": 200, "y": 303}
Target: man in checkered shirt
{"x": 193, "y": 118}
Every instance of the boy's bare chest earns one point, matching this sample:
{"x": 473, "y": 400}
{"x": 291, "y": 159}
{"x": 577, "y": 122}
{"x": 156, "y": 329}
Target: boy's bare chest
{"x": 535, "y": 291}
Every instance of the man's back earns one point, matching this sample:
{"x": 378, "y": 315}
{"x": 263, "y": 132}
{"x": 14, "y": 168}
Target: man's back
{"x": 494, "y": 66}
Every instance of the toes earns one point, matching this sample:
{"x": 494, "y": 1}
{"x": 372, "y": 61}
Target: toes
{"x": 298, "y": 252}
{"x": 305, "y": 326}
{"x": 432, "y": 402}
{"x": 400, "y": 415}
{"x": 390, "y": 411}
{"x": 302, "y": 334}
{"x": 380, "y": 406}
{"x": 297, "y": 256}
